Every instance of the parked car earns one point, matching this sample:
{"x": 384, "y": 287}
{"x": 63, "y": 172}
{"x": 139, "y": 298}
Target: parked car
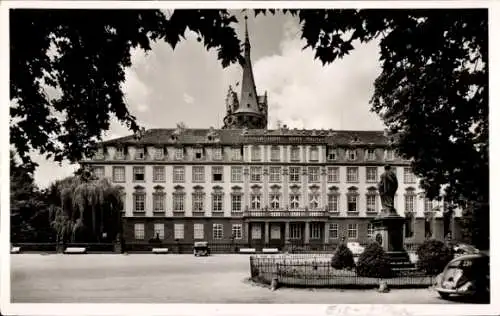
{"x": 464, "y": 249}
{"x": 355, "y": 248}
{"x": 467, "y": 275}
{"x": 201, "y": 249}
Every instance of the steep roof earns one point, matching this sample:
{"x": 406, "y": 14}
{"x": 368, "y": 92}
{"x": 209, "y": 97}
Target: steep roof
{"x": 191, "y": 136}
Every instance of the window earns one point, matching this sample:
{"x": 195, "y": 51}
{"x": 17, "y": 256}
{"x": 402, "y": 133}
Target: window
{"x": 294, "y": 201}
{"x": 331, "y": 153}
{"x": 428, "y": 228}
{"x": 179, "y": 153}
{"x": 236, "y": 154}
{"x": 255, "y": 203}
{"x": 314, "y": 200}
{"x": 139, "y": 231}
{"x": 370, "y": 230}
{"x": 408, "y": 228}
{"x": 159, "y": 153}
{"x": 118, "y": 174}
{"x": 98, "y": 172}
{"x": 255, "y": 174}
{"x": 217, "y": 202}
{"x": 352, "y": 231}
{"x": 333, "y": 230}
{"x": 178, "y": 231}
{"x": 99, "y": 154}
{"x": 139, "y": 174}
{"x": 198, "y": 174}
{"x": 352, "y": 201}
{"x": 198, "y": 200}
{"x": 237, "y": 230}
{"x": 370, "y": 154}
{"x": 178, "y": 202}
{"x": 159, "y": 201}
{"x": 371, "y": 174}
{"x": 294, "y": 174}
{"x": 295, "y": 231}
{"x": 428, "y": 205}
{"x": 198, "y": 153}
{"x": 139, "y": 201}
{"x": 275, "y": 153}
{"x": 371, "y": 202}
{"x": 159, "y": 231}
{"x": 123, "y": 198}
{"x": 295, "y": 153}
{"x": 315, "y": 232}
{"x": 313, "y": 174}
{"x": 255, "y": 153}
{"x": 389, "y": 154}
{"x": 332, "y": 174}
{"x": 139, "y": 154}
{"x": 236, "y": 174}
{"x": 333, "y": 202}
{"x": 218, "y": 232}
{"x": 217, "y": 151}
{"x": 236, "y": 203}
{"x": 198, "y": 231}
{"x": 313, "y": 154}
{"x": 351, "y": 154}
{"x": 217, "y": 174}
{"x": 178, "y": 174}
{"x": 275, "y": 174}
{"x": 408, "y": 176}
{"x": 159, "y": 174}
{"x": 409, "y": 203}
{"x": 352, "y": 174}
{"x": 120, "y": 153}
{"x": 275, "y": 200}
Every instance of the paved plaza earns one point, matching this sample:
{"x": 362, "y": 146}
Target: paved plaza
{"x": 148, "y": 278}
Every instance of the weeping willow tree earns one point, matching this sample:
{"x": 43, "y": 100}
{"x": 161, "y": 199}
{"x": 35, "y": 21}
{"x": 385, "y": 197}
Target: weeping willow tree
{"x": 84, "y": 208}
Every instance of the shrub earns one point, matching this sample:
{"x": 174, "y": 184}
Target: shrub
{"x": 342, "y": 258}
{"x": 433, "y": 255}
{"x": 374, "y": 262}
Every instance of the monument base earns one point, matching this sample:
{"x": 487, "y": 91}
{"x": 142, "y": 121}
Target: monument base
{"x": 388, "y": 231}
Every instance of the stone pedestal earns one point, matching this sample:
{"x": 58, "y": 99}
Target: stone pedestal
{"x": 389, "y": 232}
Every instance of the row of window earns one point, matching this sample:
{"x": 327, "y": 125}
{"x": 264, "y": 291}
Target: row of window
{"x": 198, "y": 231}
{"x": 295, "y": 231}
{"x": 256, "y": 174}
{"x": 276, "y": 201}
{"x": 256, "y": 154}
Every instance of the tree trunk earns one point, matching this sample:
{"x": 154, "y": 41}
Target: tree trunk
{"x": 93, "y": 220}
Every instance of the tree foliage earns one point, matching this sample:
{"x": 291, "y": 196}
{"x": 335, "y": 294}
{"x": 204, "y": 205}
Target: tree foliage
{"x": 342, "y": 258}
{"x": 433, "y": 256}
{"x": 374, "y": 262}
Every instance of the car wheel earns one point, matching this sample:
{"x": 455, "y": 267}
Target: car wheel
{"x": 444, "y": 295}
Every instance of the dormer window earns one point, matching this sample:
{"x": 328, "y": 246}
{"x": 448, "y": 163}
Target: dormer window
{"x": 217, "y": 153}
{"x": 159, "y": 153}
{"x": 139, "y": 154}
{"x": 99, "y": 154}
{"x": 351, "y": 154}
{"x": 179, "y": 153}
{"x": 313, "y": 154}
{"x": 332, "y": 153}
{"x": 389, "y": 154}
{"x": 370, "y": 154}
{"x": 198, "y": 153}
{"x": 120, "y": 153}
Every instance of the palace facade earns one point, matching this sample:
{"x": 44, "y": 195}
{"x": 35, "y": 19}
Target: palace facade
{"x": 254, "y": 186}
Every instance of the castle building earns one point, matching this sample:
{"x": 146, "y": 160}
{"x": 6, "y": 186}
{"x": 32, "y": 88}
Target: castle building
{"x": 255, "y": 186}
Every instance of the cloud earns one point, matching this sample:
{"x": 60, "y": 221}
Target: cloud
{"x": 187, "y": 98}
{"x": 135, "y": 90}
{"x": 334, "y": 96}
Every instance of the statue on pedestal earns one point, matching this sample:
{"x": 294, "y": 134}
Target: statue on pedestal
{"x": 387, "y": 188}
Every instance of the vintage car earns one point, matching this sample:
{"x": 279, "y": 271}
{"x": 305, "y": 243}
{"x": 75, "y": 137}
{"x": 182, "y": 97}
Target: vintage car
{"x": 464, "y": 249}
{"x": 201, "y": 248}
{"x": 467, "y": 275}
{"x": 355, "y": 248}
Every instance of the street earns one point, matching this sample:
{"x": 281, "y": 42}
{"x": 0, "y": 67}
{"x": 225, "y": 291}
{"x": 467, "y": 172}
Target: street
{"x": 147, "y": 278}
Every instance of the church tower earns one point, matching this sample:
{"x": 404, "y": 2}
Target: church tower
{"x": 250, "y": 111}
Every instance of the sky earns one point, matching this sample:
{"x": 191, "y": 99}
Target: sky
{"x": 189, "y": 85}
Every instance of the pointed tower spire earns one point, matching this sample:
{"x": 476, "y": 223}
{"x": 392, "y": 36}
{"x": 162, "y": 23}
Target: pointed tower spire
{"x": 251, "y": 110}
{"x": 248, "y": 102}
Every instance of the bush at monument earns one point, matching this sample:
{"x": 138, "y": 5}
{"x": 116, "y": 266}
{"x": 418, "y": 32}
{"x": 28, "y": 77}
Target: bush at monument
{"x": 374, "y": 262}
{"x": 342, "y": 258}
{"x": 433, "y": 255}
